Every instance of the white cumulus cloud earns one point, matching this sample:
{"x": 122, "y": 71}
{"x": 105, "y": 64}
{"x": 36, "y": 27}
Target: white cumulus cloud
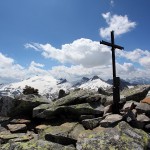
{"x": 80, "y": 52}
{"x": 119, "y": 24}
{"x": 9, "y": 70}
{"x": 139, "y": 56}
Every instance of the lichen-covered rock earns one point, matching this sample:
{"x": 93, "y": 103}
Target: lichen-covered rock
{"x": 35, "y": 145}
{"x": 71, "y": 111}
{"x": 76, "y": 102}
{"x": 91, "y": 123}
{"x": 121, "y": 137}
{"x": 75, "y": 97}
{"x": 111, "y": 120}
{"x": 65, "y": 134}
{"x": 137, "y": 93}
{"x": 10, "y": 107}
{"x": 37, "y": 111}
{"x": 96, "y": 98}
{"x": 5, "y": 137}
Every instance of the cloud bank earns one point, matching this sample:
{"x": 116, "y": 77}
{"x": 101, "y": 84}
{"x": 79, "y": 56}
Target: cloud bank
{"x": 90, "y": 52}
{"x": 84, "y": 56}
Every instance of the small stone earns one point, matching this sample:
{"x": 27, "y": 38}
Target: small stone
{"x": 15, "y": 128}
{"x": 111, "y": 120}
{"x": 91, "y": 123}
{"x": 41, "y": 127}
{"x": 128, "y": 106}
{"x": 20, "y": 121}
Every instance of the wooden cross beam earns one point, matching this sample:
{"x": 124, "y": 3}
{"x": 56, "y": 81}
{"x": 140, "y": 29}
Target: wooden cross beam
{"x": 116, "y": 80}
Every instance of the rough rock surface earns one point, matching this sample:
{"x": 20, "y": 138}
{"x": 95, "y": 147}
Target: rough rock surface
{"x": 14, "y": 128}
{"x": 111, "y": 120}
{"x": 143, "y": 108}
{"x": 22, "y": 106}
{"x": 137, "y": 93}
{"x": 121, "y": 137}
{"x": 75, "y": 122}
{"x": 35, "y": 145}
{"x": 91, "y": 123}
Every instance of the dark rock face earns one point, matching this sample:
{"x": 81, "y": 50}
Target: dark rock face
{"x": 95, "y": 77}
{"x": 15, "y": 107}
{"x": 61, "y": 93}
{"x": 82, "y": 120}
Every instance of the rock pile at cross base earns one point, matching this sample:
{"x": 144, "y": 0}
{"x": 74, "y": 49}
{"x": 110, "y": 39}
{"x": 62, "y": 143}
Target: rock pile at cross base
{"x": 82, "y": 120}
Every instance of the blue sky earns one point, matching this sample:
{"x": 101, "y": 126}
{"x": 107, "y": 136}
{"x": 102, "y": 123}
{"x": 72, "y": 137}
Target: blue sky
{"x": 60, "y": 38}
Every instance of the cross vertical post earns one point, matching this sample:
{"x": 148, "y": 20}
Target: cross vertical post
{"x": 116, "y": 80}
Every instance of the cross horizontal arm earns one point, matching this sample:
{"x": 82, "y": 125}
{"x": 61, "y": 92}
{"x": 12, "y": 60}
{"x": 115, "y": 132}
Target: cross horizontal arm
{"x": 114, "y": 46}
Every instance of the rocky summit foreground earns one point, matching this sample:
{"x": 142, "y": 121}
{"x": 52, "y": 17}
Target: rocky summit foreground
{"x": 82, "y": 120}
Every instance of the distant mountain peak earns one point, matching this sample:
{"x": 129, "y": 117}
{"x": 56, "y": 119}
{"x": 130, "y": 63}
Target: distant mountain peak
{"x": 62, "y": 81}
{"x": 95, "y": 77}
{"x": 85, "y": 79}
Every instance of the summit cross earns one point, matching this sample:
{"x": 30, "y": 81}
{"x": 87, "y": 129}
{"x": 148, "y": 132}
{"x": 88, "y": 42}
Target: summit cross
{"x": 116, "y": 80}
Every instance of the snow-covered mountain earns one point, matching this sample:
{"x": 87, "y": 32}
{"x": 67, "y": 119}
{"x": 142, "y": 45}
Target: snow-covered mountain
{"x": 49, "y": 86}
{"x": 95, "y": 83}
{"x": 123, "y": 83}
{"x": 80, "y": 82}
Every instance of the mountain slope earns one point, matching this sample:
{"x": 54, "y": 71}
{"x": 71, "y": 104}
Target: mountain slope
{"x": 47, "y": 85}
{"x": 123, "y": 83}
{"x": 95, "y": 83}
